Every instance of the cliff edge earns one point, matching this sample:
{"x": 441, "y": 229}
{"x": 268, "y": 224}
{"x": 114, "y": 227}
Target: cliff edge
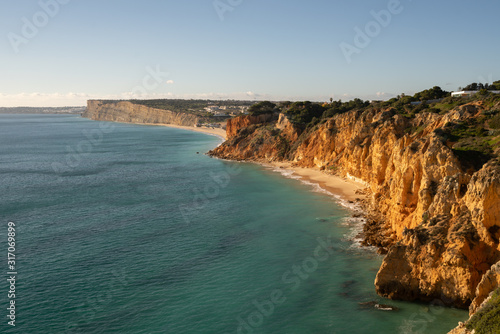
{"x": 128, "y": 112}
{"x": 434, "y": 179}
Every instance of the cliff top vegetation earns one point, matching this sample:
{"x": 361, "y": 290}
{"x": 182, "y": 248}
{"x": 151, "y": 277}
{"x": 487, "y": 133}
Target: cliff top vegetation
{"x": 473, "y": 139}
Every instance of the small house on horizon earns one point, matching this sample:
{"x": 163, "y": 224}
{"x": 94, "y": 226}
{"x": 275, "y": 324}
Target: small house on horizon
{"x": 464, "y": 93}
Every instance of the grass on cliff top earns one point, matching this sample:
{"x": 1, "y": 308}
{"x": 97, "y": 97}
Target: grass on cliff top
{"x": 487, "y": 319}
{"x": 474, "y": 140}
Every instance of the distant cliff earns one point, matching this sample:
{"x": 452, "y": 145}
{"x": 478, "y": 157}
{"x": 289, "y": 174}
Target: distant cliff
{"x": 435, "y": 202}
{"x": 128, "y": 112}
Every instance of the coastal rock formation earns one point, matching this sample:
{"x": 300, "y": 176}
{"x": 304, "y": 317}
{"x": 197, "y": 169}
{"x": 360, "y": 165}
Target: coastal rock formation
{"x": 438, "y": 212}
{"x": 485, "y": 308}
{"x": 490, "y": 282}
{"x": 446, "y": 256}
{"x": 287, "y": 129}
{"x": 255, "y": 138}
{"x": 235, "y": 124}
{"x": 483, "y": 201}
{"x": 128, "y": 112}
{"x": 461, "y": 329}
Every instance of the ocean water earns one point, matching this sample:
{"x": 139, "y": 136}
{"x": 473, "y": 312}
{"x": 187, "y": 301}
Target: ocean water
{"x": 132, "y": 229}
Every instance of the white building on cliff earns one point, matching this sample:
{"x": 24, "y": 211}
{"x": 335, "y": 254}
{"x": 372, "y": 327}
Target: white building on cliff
{"x": 470, "y": 93}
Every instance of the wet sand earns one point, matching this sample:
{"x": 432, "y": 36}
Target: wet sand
{"x": 213, "y": 131}
{"x": 336, "y": 185}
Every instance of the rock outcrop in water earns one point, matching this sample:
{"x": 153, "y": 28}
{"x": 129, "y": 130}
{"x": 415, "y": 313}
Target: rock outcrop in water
{"x": 128, "y": 112}
{"x": 437, "y": 208}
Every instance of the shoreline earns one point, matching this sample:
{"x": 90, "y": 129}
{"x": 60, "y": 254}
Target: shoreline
{"x": 346, "y": 189}
{"x": 218, "y": 132}
{"x": 211, "y": 131}
{"x": 349, "y": 193}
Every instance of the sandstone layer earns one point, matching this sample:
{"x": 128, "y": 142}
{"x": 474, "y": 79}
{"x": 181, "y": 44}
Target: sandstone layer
{"x": 128, "y": 112}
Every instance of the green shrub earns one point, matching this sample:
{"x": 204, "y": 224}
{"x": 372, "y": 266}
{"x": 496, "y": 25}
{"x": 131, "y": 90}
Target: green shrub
{"x": 495, "y": 122}
{"x": 487, "y": 319}
{"x": 261, "y": 108}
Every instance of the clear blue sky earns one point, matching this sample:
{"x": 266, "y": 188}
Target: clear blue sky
{"x": 262, "y": 49}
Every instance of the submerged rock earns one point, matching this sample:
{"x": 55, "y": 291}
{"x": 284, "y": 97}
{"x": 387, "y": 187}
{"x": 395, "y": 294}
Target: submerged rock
{"x": 375, "y": 305}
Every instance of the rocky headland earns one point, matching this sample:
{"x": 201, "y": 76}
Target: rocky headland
{"x": 128, "y": 112}
{"x": 137, "y": 113}
{"x": 434, "y": 187}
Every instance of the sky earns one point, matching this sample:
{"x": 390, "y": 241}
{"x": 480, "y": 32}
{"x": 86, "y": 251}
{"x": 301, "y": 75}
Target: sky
{"x": 64, "y": 52}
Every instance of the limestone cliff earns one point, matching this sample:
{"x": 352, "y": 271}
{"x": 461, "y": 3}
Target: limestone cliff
{"x": 235, "y": 124}
{"x": 128, "y": 112}
{"x": 485, "y": 309}
{"x": 490, "y": 282}
{"x": 437, "y": 208}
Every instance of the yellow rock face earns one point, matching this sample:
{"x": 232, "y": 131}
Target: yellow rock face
{"x": 127, "y": 112}
{"x": 445, "y": 219}
{"x": 237, "y": 123}
{"x": 490, "y": 282}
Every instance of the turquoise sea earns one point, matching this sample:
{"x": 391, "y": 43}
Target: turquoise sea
{"x": 127, "y": 229}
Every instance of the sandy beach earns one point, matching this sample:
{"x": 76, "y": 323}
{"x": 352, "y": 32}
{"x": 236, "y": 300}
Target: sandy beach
{"x": 213, "y": 131}
{"x": 334, "y": 184}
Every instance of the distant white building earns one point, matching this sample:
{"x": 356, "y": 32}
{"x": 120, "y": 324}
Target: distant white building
{"x": 212, "y": 108}
{"x": 464, "y": 93}
{"x": 220, "y": 113}
{"x": 471, "y": 92}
